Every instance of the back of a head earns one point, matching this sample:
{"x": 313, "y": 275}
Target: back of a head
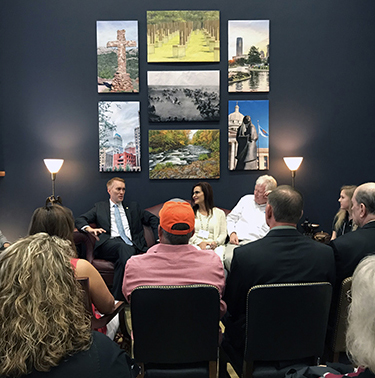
{"x": 41, "y": 305}
{"x": 360, "y": 337}
{"x": 287, "y": 204}
{"x": 365, "y": 194}
{"x": 55, "y": 220}
{"x": 177, "y": 221}
{"x": 269, "y": 182}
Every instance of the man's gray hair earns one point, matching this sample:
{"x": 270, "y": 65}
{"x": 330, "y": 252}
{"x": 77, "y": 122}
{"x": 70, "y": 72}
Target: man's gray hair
{"x": 269, "y": 181}
{"x": 366, "y": 194}
{"x": 360, "y": 336}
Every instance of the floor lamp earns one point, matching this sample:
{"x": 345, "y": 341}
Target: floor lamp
{"x": 53, "y": 165}
{"x": 293, "y": 164}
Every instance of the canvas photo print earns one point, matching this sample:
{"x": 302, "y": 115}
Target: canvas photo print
{"x": 119, "y": 136}
{"x": 117, "y": 56}
{"x": 175, "y": 96}
{"x": 248, "y": 135}
{"x": 184, "y": 154}
{"x": 183, "y": 36}
{"x": 248, "y": 56}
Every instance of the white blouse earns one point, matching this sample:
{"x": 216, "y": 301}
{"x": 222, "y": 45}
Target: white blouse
{"x": 210, "y": 228}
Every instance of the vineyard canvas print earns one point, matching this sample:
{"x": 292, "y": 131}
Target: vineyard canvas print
{"x": 184, "y": 154}
{"x": 183, "y": 36}
{"x": 177, "y": 96}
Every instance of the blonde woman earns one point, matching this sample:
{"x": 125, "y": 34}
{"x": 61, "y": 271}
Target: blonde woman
{"x": 343, "y": 222}
{"x": 57, "y": 220}
{"x": 45, "y": 330}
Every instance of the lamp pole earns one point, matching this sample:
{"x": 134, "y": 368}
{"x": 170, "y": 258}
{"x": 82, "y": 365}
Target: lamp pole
{"x": 293, "y": 178}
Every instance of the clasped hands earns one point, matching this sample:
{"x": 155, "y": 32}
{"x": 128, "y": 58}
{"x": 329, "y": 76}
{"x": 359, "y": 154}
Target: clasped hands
{"x": 207, "y": 245}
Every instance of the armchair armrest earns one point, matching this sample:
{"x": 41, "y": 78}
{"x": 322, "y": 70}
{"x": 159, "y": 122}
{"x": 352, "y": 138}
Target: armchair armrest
{"x": 81, "y": 237}
{"x": 105, "y": 319}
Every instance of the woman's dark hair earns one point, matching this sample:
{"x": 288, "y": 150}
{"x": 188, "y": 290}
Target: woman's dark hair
{"x": 208, "y": 196}
{"x": 55, "y": 220}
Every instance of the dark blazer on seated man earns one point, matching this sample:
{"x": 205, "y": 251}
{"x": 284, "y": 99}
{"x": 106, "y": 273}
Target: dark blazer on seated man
{"x": 282, "y": 256}
{"x": 111, "y": 244}
{"x": 351, "y": 248}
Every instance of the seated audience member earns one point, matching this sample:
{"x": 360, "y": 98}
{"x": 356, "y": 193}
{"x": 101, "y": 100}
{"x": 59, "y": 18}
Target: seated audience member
{"x": 284, "y": 255}
{"x": 246, "y": 222}
{"x": 360, "y": 336}
{"x": 343, "y": 221}
{"x": 210, "y": 222}
{"x": 45, "y": 331}
{"x": 174, "y": 261}
{"x": 351, "y": 248}
{"x": 57, "y": 220}
{"x": 119, "y": 229}
{"x": 3, "y": 241}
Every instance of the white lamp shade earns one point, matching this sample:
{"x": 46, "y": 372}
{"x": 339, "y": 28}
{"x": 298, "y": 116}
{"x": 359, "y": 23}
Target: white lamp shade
{"x": 53, "y": 165}
{"x": 293, "y": 163}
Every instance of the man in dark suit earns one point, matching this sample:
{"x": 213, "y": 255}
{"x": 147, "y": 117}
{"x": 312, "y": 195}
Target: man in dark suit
{"x": 282, "y": 256}
{"x": 351, "y": 248}
{"x": 119, "y": 230}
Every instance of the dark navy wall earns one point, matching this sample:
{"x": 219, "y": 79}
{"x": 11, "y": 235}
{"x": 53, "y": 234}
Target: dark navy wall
{"x": 321, "y": 101}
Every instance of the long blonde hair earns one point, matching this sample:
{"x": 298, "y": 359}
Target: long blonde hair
{"x": 42, "y": 315}
{"x": 341, "y": 214}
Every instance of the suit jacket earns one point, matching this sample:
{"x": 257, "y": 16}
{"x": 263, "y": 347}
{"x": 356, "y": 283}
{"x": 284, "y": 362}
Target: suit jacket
{"x": 282, "y": 256}
{"x": 351, "y": 248}
{"x": 101, "y": 216}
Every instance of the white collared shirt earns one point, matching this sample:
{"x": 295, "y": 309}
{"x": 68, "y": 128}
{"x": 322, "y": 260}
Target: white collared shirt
{"x": 247, "y": 219}
{"x": 124, "y": 219}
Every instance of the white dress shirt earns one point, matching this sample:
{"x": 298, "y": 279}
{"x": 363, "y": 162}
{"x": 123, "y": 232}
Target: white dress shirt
{"x": 124, "y": 219}
{"x": 247, "y": 219}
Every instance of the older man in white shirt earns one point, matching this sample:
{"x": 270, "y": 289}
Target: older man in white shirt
{"x": 246, "y": 222}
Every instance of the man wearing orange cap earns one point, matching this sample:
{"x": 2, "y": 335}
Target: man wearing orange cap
{"x": 174, "y": 261}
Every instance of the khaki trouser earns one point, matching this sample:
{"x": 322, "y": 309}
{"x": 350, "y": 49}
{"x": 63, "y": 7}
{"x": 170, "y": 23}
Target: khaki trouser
{"x": 228, "y": 253}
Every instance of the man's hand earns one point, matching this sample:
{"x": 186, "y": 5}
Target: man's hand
{"x": 233, "y": 239}
{"x": 203, "y": 245}
{"x": 207, "y": 245}
{"x": 213, "y": 245}
{"x": 95, "y": 231}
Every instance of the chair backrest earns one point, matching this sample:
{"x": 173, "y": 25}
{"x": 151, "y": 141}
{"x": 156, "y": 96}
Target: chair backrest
{"x": 287, "y": 321}
{"x": 339, "y": 343}
{"x": 175, "y": 324}
{"x": 84, "y": 281}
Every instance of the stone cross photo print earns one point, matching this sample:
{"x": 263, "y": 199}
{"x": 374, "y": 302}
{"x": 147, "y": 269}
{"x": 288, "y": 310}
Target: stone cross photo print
{"x": 117, "y": 51}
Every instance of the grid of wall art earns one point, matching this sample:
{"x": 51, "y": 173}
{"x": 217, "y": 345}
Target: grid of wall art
{"x": 186, "y": 97}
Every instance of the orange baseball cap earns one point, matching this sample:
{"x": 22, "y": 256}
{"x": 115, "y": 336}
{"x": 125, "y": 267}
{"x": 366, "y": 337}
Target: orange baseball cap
{"x": 177, "y": 212}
